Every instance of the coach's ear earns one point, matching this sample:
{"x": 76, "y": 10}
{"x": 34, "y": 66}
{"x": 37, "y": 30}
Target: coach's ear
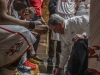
{"x": 61, "y": 25}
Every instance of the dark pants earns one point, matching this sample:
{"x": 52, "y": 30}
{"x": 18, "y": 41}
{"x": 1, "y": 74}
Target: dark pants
{"x": 35, "y": 45}
{"x": 78, "y": 62}
{"x": 51, "y": 48}
{"x": 51, "y": 53}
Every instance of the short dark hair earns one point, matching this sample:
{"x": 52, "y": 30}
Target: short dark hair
{"x": 19, "y": 4}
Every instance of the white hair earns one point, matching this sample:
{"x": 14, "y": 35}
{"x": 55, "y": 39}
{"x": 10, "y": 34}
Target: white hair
{"x": 55, "y": 19}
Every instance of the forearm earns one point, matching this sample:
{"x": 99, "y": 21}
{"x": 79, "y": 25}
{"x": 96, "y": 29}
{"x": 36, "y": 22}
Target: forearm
{"x": 76, "y": 5}
{"x": 63, "y": 61}
{"x": 14, "y": 21}
{"x": 64, "y": 55}
{"x": 9, "y": 11}
{"x": 6, "y": 19}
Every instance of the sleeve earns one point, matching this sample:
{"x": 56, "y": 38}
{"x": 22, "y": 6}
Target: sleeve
{"x": 81, "y": 23}
{"x": 85, "y": 25}
{"x": 42, "y": 3}
{"x": 65, "y": 52}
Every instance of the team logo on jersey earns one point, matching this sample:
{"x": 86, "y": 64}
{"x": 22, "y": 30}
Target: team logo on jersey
{"x": 15, "y": 48}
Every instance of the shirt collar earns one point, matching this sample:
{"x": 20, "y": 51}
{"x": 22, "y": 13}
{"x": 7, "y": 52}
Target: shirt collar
{"x": 65, "y": 25}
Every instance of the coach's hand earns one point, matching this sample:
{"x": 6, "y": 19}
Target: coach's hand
{"x": 77, "y": 37}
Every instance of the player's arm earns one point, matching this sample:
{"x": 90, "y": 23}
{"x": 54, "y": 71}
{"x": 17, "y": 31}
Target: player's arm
{"x": 76, "y": 4}
{"x": 5, "y": 19}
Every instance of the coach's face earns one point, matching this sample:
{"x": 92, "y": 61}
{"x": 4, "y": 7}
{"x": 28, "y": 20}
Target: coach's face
{"x": 59, "y": 28}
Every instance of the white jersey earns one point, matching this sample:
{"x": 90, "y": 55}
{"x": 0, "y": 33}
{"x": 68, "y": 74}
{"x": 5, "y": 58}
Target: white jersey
{"x": 65, "y": 6}
{"x": 82, "y": 9}
{"x": 14, "y": 41}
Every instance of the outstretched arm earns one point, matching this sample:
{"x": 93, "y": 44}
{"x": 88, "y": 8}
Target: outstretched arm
{"x": 76, "y": 5}
{"x": 5, "y": 19}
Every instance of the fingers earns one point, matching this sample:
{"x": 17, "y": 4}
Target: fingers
{"x": 34, "y": 33}
{"x": 42, "y": 21}
{"x": 54, "y": 72}
{"x": 38, "y": 22}
{"x": 77, "y": 37}
{"x": 41, "y": 26}
{"x": 41, "y": 32}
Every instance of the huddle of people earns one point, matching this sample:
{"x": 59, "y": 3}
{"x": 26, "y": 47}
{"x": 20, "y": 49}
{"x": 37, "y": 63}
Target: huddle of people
{"x": 21, "y": 27}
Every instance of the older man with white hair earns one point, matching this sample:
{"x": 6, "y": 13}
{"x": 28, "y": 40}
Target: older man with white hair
{"x": 70, "y": 30}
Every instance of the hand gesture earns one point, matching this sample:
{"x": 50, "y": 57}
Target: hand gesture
{"x": 77, "y": 37}
{"x": 41, "y": 27}
{"x": 56, "y": 71}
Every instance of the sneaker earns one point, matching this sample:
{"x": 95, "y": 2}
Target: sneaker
{"x": 38, "y": 58}
{"x": 29, "y": 64}
{"x": 34, "y": 61}
{"x": 23, "y": 68}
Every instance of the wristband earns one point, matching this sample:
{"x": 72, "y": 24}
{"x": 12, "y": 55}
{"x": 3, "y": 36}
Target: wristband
{"x": 32, "y": 24}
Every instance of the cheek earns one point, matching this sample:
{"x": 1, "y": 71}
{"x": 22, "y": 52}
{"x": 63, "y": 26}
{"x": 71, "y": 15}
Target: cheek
{"x": 58, "y": 29}
{"x": 20, "y": 14}
{"x": 50, "y": 27}
{"x": 27, "y": 17}
{"x": 30, "y": 16}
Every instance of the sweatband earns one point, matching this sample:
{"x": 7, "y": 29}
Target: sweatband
{"x": 32, "y": 24}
